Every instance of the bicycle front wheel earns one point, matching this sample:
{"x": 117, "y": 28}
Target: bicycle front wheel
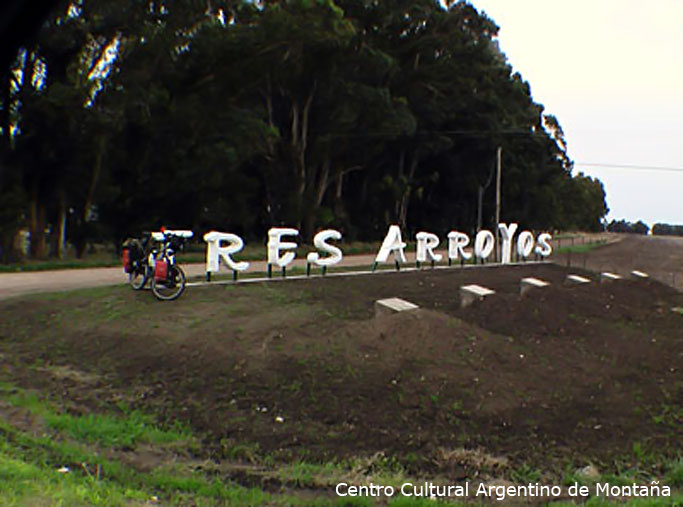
{"x": 172, "y": 287}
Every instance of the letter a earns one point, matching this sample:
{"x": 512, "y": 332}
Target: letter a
{"x": 392, "y": 243}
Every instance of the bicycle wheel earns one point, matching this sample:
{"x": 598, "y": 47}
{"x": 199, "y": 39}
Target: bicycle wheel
{"x": 139, "y": 276}
{"x": 172, "y": 287}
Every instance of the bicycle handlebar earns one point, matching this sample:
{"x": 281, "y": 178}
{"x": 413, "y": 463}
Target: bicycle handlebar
{"x": 163, "y": 236}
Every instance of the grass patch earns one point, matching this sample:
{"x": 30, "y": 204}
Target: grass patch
{"x": 525, "y": 474}
{"x": 674, "y": 473}
{"x": 584, "y": 248}
{"x": 672, "y": 501}
{"x": 30, "y": 468}
{"x": 30, "y": 473}
{"x": 64, "y": 469}
{"x": 113, "y": 431}
{"x": 24, "y": 483}
{"x": 103, "y": 429}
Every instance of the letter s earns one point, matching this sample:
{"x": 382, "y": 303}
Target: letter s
{"x": 543, "y": 246}
{"x": 320, "y": 242}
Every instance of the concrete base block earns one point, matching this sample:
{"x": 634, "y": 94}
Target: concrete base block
{"x": 576, "y": 280}
{"x": 393, "y": 305}
{"x": 528, "y": 284}
{"x": 608, "y": 277}
{"x": 471, "y": 293}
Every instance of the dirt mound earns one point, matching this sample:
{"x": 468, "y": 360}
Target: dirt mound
{"x": 304, "y": 369}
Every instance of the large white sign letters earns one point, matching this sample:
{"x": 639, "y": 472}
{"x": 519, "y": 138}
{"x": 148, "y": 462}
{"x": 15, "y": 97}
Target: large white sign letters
{"x": 221, "y": 246}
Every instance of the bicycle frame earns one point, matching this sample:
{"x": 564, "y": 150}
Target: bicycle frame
{"x": 168, "y": 281}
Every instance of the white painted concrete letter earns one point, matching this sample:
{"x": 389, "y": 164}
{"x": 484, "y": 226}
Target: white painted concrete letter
{"x": 525, "y": 244}
{"x": 507, "y": 232}
{"x": 457, "y": 241}
{"x": 320, "y": 242}
{"x": 426, "y": 243}
{"x": 275, "y": 244}
{"x": 392, "y": 243}
{"x": 215, "y": 252}
{"x": 543, "y": 246}
{"x": 483, "y": 244}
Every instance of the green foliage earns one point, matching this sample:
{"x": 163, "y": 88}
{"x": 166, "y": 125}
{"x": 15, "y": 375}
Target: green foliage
{"x": 525, "y": 474}
{"x": 624, "y": 226}
{"x": 23, "y": 483}
{"x": 667, "y": 230}
{"x": 30, "y": 465}
{"x": 583, "y": 248}
{"x": 585, "y": 204}
{"x": 131, "y": 115}
{"x": 674, "y": 474}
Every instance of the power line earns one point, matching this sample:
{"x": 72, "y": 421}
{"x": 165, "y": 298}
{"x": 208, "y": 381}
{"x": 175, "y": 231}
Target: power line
{"x": 631, "y": 167}
{"x": 506, "y": 132}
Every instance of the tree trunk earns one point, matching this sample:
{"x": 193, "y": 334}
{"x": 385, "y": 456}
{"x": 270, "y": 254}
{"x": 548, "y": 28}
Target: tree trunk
{"x": 60, "y": 247}
{"x": 298, "y": 161}
{"x": 480, "y": 204}
{"x": 401, "y": 171}
{"x": 480, "y": 198}
{"x": 271, "y": 203}
{"x": 5, "y": 118}
{"x": 323, "y": 182}
{"x": 304, "y": 176}
{"x": 339, "y": 208}
{"x": 317, "y": 187}
{"x": 80, "y": 244}
{"x": 37, "y": 228}
{"x": 405, "y": 198}
{"x": 94, "y": 178}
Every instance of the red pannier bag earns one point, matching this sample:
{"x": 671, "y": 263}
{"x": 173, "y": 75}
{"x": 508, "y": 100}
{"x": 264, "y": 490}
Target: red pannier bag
{"x": 125, "y": 257}
{"x": 161, "y": 271}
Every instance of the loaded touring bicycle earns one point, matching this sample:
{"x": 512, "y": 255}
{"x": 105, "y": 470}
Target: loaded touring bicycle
{"x": 153, "y": 258}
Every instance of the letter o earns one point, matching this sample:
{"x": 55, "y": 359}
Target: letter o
{"x": 525, "y": 244}
{"x": 483, "y": 244}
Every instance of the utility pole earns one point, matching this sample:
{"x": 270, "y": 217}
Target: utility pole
{"x": 499, "y": 169}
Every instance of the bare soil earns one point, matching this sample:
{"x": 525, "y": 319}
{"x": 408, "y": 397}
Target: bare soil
{"x": 304, "y": 370}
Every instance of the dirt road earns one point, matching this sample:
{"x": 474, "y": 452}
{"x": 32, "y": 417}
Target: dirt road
{"x": 17, "y": 284}
{"x": 661, "y": 257}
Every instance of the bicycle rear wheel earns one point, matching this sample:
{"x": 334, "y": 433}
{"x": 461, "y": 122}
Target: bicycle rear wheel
{"x": 172, "y": 287}
{"x": 139, "y": 276}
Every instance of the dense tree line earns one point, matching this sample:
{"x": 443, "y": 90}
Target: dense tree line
{"x": 639, "y": 227}
{"x": 667, "y": 230}
{"x": 125, "y": 115}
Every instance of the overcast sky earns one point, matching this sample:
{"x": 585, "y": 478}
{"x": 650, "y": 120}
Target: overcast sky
{"x": 612, "y": 73}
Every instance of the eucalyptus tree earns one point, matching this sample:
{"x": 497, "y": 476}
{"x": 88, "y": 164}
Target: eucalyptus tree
{"x": 47, "y": 118}
{"x": 43, "y": 113}
{"x": 438, "y": 58}
{"x": 132, "y": 114}
{"x": 302, "y": 83}
{"x": 167, "y": 143}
